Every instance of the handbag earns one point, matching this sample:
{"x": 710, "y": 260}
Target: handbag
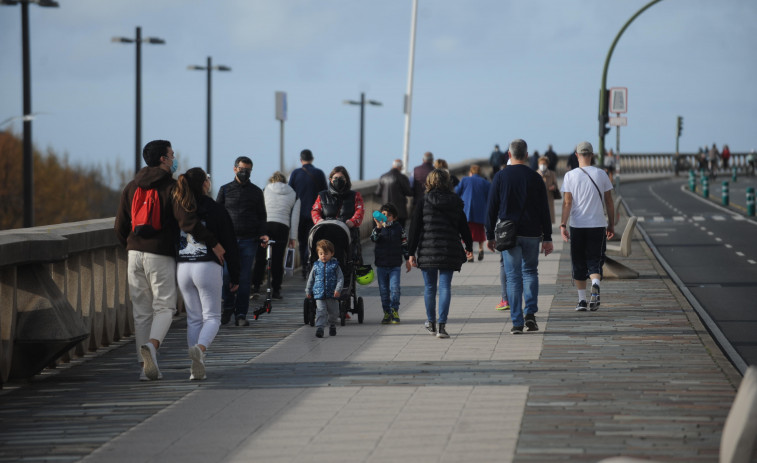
{"x": 504, "y": 235}
{"x": 556, "y": 194}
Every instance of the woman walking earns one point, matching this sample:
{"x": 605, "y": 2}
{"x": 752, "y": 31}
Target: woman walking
{"x": 550, "y": 182}
{"x": 438, "y": 225}
{"x": 199, "y": 272}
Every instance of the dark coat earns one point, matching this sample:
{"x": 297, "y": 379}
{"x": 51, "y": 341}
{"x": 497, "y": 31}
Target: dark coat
{"x": 552, "y": 158}
{"x": 246, "y": 206}
{"x": 518, "y": 193}
{"x": 436, "y": 229}
{"x": 307, "y": 182}
{"x": 419, "y": 181}
{"x": 172, "y": 216}
{"x": 394, "y": 187}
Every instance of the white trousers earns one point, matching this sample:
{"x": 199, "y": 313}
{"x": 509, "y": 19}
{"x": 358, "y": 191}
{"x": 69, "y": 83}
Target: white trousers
{"x": 152, "y": 288}
{"x": 200, "y": 284}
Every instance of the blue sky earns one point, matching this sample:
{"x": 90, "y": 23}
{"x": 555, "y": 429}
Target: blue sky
{"x": 486, "y": 72}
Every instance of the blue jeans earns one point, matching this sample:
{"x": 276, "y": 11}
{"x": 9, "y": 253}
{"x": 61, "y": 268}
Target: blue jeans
{"x": 240, "y": 301}
{"x": 389, "y": 287}
{"x": 502, "y": 278}
{"x": 429, "y": 295}
{"x": 521, "y": 265}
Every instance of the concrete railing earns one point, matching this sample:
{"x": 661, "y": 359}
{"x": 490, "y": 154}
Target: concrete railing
{"x": 665, "y": 163}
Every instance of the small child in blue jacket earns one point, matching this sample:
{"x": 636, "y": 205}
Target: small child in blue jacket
{"x": 325, "y": 284}
{"x": 391, "y": 247}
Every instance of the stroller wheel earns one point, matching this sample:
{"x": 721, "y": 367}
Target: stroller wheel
{"x": 359, "y": 307}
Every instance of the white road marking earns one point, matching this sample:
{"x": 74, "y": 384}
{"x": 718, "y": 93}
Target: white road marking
{"x": 698, "y": 218}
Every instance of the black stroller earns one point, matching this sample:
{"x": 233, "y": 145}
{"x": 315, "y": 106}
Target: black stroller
{"x": 339, "y": 234}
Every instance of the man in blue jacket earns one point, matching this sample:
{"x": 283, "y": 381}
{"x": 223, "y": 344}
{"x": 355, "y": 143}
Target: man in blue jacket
{"x": 518, "y": 194}
{"x": 307, "y": 182}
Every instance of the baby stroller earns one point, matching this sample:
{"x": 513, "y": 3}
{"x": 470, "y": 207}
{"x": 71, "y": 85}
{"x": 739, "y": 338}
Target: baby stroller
{"x": 339, "y": 234}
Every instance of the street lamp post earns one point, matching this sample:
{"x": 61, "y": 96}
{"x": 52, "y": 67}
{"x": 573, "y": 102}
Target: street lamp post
{"x": 28, "y": 159}
{"x": 138, "y": 130}
{"x": 208, "y": 68}
{"x": 362, "y": 103}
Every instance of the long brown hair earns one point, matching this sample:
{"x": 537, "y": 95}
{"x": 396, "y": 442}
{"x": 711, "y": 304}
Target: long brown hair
{"x": 189, "y": 188}
{"x": 438, "y": 179}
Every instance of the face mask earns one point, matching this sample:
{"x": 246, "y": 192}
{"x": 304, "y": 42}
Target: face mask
{"x": 174, "y": 165}
{"x": 339, "y": 183}
{"x": 542, "y": 167}
{"x": 243, "y": 175}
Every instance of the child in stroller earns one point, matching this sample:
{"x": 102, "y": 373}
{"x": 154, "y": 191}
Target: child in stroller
{"x": 339, "y": 234}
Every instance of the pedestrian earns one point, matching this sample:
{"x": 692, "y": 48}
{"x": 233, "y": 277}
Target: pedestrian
{"x": 307, "y": 182}
{"x": 394, "y": 187}
{"x": 550, "y": 182}
{"x": 436, "y": 229}
{"x": 533, "y": 160}
{"x": 518, "y": 195}
{"x": 585, "y": 191}
{"x": 474, "y": 191}
{"x": 341, "y": 203}
{"x": 418, "y": 181}
{"x": 496, "y": 160}
{"x": 199, "y": 272}
{"x": 325, "y": 284}
{"x": 283, "y": 213}
{"x": 552, "y": 158}
{"x": 572, "y": 161}
{"x": 725, "y": 156}
{"x": 442, "y": 164}
{"x": 713, "y": 156}
{"x": 609, "y": 162}
{"x": 245, "y": 203}
{"x": 151, "y": 248}
{"x": 390, "y": 248}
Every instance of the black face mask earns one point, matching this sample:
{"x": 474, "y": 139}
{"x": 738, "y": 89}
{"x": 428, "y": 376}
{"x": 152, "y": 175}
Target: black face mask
{"x": 339, "y": 183}
{"x": 243, "y": 175}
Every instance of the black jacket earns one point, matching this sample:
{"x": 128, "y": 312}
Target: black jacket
{"x": 246, "y": 206}
{"x": 216, "y": 219}
{"x": 394, "y": 187}
{"x": 436, "y": 229}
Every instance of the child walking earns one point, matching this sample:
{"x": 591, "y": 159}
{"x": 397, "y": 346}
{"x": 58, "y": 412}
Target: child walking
{"x": 391, "y": 247}
{"x": 325, "y": 284}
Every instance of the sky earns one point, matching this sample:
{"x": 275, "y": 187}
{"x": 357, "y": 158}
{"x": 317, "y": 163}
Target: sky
{"x": 486, "y": 72}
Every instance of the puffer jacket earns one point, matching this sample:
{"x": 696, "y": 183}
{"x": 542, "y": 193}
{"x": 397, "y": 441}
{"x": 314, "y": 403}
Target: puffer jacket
{"x": 438, "y": 225}
{"x": 282, "y": 206}
{"x": 325, "y": 279}
{"x": 246, "y": 206}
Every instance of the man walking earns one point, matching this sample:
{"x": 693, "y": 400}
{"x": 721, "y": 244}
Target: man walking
{"x": 552, "y": 158}
{"x": 394, "y": 188}
{"x": 418, "y": 182}
{"x": 307, "y": 182}
{"x": 518, "y": 194}
{"x": 245, "y": 203}
{"x": 585, "y": 189}
{"x": 149, "y": 229}
{"x": 497, "y": 159}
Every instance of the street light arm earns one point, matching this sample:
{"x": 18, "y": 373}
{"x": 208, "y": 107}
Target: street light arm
{"x": 375, "y": 103}
{"x": 350, "y": 102}
{"x": 222, "y": 68}
{"x": 122, "y": 40}
{"x": 154, "y": 40}
{"x": 196, "y": 68}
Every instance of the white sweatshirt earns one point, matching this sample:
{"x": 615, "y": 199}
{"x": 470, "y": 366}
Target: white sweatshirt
{"x": 282, "y": 206}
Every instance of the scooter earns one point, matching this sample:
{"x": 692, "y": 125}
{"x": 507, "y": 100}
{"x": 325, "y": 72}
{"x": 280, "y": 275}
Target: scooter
{"x": 266, "y": 307}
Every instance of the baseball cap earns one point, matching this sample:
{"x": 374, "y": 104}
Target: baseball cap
{"x": 584, "y": 148}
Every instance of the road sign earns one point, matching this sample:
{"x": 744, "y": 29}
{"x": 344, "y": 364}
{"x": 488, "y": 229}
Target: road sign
{"x": 618, "y": 100}
{"x": 619, "y": 121}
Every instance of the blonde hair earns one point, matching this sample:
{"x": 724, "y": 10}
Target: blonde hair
{"x": 277, "y": 177}
{"x": 543, "y": 160}
{"x": 441, "y": 164}
{"x": 438, "y": 179}
{"x": 326, "y": 245}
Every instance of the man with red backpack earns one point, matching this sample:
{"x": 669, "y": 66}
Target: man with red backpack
{"x": 147, "y": 224}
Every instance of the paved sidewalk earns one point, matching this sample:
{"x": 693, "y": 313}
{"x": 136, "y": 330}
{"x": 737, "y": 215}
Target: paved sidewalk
{"x": 639, "y": 377}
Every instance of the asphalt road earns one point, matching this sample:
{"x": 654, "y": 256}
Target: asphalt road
{"x": 712, "y": 252}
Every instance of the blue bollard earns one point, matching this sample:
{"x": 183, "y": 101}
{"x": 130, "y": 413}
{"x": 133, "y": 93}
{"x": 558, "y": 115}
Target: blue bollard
{"x": 724, "y": 194}
{"x": 692, "y": 180}
{"x": 733, "y": 174}
{"x": 705, "y": 187}
{"x": 750, "y": 201}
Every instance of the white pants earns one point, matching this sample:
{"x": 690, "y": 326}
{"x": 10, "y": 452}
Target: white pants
{"x": 200, "y": 284}
{"x": 152, "y": 288}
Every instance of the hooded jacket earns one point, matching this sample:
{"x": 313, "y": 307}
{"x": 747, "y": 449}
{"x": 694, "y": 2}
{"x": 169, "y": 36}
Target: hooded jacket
{"x": 172, "y": 216}
{"x": 436, "y": 229}
{"x": 282, "y": 206}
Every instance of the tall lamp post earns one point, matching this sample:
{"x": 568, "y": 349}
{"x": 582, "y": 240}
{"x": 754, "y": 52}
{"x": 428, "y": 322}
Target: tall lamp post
{"x": 208, "y": 68}
{"x": 28, "y": 161}
{"x": 362, "y": 103}
{"x": 138, "y": 131}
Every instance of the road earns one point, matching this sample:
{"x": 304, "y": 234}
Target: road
{"x": 712, "y": 253}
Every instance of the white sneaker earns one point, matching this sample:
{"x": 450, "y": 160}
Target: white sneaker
{"x": 150, "y": 357}
{"x": 143, "y": 376}
{"x": 197, "y": 370}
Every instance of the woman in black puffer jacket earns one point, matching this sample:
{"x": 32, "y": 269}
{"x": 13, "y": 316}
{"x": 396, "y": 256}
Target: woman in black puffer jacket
{"x": 438, "y": 225}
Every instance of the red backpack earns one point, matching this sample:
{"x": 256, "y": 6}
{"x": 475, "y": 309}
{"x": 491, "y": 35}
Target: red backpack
{"x": 145, "y": 212}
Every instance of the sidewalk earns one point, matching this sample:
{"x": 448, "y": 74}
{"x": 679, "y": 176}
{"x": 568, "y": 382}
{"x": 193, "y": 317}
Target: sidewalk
{"x": 639, "y": 377}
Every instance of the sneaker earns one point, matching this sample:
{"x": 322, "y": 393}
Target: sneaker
{"x": 503, "y": 305}
{"x": 431, "y": 327}
{"x": 276, "y": 294}
{"x": 531, "y": 323}
{"x": 242, "y": 321}
{"x": 481, "y": 254}
{"x": 226, "y": 316}
{"x": 516, "y": 330}
{"x": 319, "y": 333}
{"x": 594, "y": 299}
{"x": 395, "y": 316}
{"x": 150, "y": 359}
{"x": 143, "y": 376}
{"x": 332, "y": 330}
{"x": 387, "y": 318}
{"x": 581, "y": 307}
{"x": 197, "y": 369}
{"x": 442, "y": 334}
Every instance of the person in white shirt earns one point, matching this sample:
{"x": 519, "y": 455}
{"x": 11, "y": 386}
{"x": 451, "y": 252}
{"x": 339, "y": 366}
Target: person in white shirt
{"x": 585, "y": 189}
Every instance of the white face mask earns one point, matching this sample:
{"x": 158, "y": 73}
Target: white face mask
{"x": 543, "y": 167}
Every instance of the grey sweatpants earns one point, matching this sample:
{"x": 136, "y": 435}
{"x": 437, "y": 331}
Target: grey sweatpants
{"x": 326, "y": 309}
